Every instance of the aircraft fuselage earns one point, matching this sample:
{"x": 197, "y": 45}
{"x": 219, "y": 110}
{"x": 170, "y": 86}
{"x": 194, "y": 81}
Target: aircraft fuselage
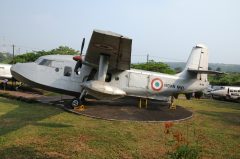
{"x": 60, "y": 77}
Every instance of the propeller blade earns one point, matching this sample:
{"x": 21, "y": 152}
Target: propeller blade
{"x": 83, "y": 42}
{"x": 79, "y": 59}
{"x": 78, "y": 65}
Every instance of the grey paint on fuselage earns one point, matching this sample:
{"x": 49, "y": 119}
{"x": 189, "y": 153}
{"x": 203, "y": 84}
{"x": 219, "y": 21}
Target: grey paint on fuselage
{"x": 129, "y": 81}
{"x": 138, "y": 83}
{"x": 49, "y": 77}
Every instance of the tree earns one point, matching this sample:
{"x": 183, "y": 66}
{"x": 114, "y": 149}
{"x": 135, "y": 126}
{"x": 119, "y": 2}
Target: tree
{"x": 231, "y": 79}
{"x": 218, "y": 69}
{"x": 5, "y": 57}
{"x": 154, "y": 66}
{"x": 32, "y": 56}
{"x": 178, "y": 69}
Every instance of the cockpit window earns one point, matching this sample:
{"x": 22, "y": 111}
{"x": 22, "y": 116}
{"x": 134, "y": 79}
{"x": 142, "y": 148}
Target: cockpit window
{"x": 38, "y": 60}
{"x": 67, "y": 71}
{"x": 46, "y": 62}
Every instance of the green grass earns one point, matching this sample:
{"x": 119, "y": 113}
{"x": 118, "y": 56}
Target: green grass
{"x": 41, "y": 131}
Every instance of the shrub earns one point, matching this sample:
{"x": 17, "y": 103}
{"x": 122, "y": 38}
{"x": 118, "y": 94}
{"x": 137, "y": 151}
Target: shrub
{"x": 185, "y": 152}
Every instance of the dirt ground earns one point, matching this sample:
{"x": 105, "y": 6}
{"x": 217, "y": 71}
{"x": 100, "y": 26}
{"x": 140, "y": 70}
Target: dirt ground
{"x": 121, "y": 109}
{"x": 127, "y": 109}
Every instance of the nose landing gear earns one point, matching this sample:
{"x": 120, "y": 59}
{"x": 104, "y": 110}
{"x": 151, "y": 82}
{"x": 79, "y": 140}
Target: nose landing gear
{"x": 76, "y": 102}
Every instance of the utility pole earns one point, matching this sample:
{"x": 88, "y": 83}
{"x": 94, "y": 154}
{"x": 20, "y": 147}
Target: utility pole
{"x": 13, "y": 63}
{"x": 13, "y": 54}
{"x": 147, "y": 58}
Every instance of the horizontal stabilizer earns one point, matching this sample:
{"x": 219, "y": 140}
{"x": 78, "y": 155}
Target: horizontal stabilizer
{"x": 205, "y": 71}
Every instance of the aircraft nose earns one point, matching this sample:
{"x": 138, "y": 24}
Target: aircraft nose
{"x": 20, "y": 71}
{"x": 16, "y": 71}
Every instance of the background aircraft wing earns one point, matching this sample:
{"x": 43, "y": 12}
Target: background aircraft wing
{"x": 118, "y": 47}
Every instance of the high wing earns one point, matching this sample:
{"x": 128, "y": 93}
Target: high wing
{"x": 116, "y": 46}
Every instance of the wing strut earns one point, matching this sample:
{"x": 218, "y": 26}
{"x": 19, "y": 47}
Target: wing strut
{"x": 103, "y": 67}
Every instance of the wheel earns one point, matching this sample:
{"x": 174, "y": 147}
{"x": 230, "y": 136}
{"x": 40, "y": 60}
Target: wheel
{"x": 75, "y": 102}
{"x": 188, "y": 96}
{"x": 176, "y": 96}
{"x": 198, "y": 95}
{"x": 238, "y": 100}
{"x": 227, "y": 97}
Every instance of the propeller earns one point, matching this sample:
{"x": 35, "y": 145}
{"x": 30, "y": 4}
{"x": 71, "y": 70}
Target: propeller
{"x": 79, "y": 58}
{"x": 83, "y": 42}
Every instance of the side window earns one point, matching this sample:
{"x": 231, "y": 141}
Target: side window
{"x": 67, "y": 71}
{"x": 231, "y": 90}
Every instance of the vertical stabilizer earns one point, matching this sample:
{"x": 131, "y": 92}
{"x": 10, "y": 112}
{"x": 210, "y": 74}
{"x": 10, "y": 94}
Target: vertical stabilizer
{"x": 198, "y": 60}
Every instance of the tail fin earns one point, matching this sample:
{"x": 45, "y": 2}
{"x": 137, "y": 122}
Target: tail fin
{"x": 197, "y": 61}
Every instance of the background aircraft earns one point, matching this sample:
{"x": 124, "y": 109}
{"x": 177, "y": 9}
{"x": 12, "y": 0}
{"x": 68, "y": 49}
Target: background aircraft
{"x": 105, "y": 72}
{"x": 226, "y": 93}
{"x": 5, "y": 72}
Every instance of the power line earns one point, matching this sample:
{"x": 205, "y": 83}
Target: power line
{"x": 149, "y": 57}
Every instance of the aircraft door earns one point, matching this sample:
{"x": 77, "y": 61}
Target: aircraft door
{"x": 138, "y": 80}
{"x": 57, "y": 64}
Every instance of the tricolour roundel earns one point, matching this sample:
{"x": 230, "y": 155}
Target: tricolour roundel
{"x": 156, "y": 84}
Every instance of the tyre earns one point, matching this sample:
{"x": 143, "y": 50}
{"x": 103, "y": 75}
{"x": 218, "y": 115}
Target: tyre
{"x": 75, "y": 102}
{"x": 198, "y": 95}
{"x": 238, "y": 100}
{"x": 188, "y": 96}
{"x": 227, "y": 97}
{"x": 175, "y": 96}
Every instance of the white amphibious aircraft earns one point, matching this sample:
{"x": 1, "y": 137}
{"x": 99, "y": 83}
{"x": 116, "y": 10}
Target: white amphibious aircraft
{"x": 5, "y": 71}
{"x": 105, "y": 72}
{"x": 226, "y": 93}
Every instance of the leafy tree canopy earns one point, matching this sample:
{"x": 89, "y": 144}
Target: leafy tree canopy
{"x": 32, "y": 56}
{"x": 154, "y": 66}
{"x": 5, "y": 57}
{"x": 230, "y": 79}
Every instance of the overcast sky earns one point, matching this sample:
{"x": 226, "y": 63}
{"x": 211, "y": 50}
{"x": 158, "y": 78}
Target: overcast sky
{"x": 165, "y": 29}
